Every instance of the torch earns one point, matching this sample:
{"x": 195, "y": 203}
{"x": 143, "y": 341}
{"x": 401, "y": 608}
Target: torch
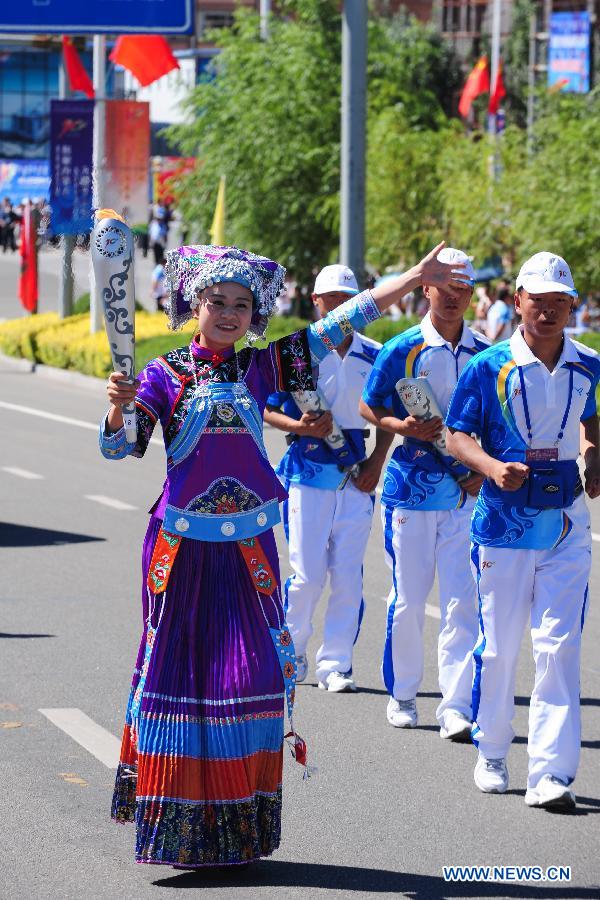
{"x": 112, "y": 259}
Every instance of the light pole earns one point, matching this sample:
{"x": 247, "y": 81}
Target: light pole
{"x": 354, "y": 108}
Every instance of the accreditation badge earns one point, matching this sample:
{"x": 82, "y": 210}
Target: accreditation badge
{"x": 542, "y": 454}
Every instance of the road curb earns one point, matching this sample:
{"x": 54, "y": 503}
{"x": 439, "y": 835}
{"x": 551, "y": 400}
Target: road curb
{"x": 77, "y": 379}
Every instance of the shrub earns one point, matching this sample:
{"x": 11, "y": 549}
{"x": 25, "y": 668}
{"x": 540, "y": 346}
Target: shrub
{"x": 385, "y": 328}
{"x": 18, "y": 337}
{"x": 82, "y": 305}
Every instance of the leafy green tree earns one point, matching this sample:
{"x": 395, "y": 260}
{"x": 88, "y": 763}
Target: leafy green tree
{"x": 559, "y": 208}
{"x": 268, "y": 119}
{"x": 404, "y": 202}
{"x": 412, "y": 66}
{"x": 545, "y": 199}
{"x": 516, "y": 63}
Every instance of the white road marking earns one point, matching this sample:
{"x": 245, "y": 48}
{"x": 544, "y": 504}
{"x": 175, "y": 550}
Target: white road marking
{"x": 91, "y": 736}
{"x": 595, "y": 537}
{"x": 44, "y": 414}
{"x": 109, "y": 501}
{"x": 21, "y": 473}
{"x": 55, "y": 417}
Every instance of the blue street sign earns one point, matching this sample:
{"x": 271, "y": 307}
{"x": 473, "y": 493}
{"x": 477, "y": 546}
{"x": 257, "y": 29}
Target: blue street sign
{"x": 98, "y": 17}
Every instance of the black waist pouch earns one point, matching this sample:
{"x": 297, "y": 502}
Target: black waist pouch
{"x": 550, "y": 485}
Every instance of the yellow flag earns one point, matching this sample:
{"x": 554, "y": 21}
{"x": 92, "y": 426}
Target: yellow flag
{"x": 217, "y": 229}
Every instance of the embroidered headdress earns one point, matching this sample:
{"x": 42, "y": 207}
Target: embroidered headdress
{"x": 189, "y": 270}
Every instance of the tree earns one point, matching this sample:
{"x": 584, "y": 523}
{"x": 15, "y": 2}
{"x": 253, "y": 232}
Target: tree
{"x": 516, "y": 63}
{"x": 404, "y": 202}
{"x": 268, "y": 119}
{"x": 545, "y": 199}
{"x": 411, "y": 65}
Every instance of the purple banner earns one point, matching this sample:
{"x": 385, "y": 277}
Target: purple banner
{"x": 71, "y": 146}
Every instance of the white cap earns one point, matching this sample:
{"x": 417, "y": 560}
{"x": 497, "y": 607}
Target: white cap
{"x": 336, "y": 278}
{"x": 450, "y": 255}
{"x": 546, "y": 273}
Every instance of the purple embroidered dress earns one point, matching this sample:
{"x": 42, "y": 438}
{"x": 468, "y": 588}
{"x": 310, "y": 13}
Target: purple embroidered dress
{"x": 202, "y": 751}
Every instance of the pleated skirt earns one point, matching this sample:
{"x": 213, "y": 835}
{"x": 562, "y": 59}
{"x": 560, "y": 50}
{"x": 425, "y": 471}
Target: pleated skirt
{"x": 201, "y": 759}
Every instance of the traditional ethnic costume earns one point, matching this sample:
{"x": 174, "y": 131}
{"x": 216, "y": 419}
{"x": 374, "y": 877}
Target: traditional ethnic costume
{"x": 202, "y": 752}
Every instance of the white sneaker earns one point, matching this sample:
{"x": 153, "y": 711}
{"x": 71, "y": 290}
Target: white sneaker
{"x": 551, "y": 793}
{"x": 338, "y": 683}
{"x": 301, "y": 669}
{"x": 491, "y": 775}
{"x": 456, "y": 727}
{"x": 402, "y": 713}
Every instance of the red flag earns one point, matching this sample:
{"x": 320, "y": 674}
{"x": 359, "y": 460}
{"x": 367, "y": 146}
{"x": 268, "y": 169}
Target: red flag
{"x": 28, "y": 280}
{"x": 498, "y": 93}
{"x": 477, "y": 83}
{"x": 146, "y": 56}
{"x": 79, "y": 80}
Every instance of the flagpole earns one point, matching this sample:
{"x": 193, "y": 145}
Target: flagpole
{"x": 65, "y": 295}
{"x": 99, "y": 159}
{"x": 495, "y": 60}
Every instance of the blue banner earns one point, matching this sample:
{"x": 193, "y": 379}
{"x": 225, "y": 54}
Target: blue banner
{"x": 21, "y": 179}
{"x": 71, "y": 148}
{"x": 98, "y": 17}
{"x": 569, "y": 52}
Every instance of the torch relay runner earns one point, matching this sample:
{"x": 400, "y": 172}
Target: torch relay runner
{"x": 531, "y": 401}
{"x": 328, "y": 515}
{"x": 427, "y": 502}
{"x": 200, "y": 772}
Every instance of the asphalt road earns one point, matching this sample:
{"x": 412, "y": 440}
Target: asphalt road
{"x": 388, "y": 808}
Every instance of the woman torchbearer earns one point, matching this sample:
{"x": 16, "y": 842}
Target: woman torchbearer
{"x": 201, "y": 760}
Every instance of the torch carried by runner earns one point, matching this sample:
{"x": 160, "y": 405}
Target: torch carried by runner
{"x": 112, "y": 259}
{"x": 419, "y": 401}
{"x": 314, "y": 402}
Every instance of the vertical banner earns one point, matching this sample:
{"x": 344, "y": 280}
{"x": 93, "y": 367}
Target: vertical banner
{"x": 128, "y": 159}
{"x": 28, "y": 279}
{"x": 569, "y": 52}
{"x": 71, "y": 142}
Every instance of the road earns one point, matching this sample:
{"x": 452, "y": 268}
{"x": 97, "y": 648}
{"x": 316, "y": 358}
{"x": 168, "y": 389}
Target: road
{"x": 387, "y": 809}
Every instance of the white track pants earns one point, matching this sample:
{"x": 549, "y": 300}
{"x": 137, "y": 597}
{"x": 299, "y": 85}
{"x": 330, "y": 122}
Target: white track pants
{"x": 550, "y": 588}
{"x": 415, "y": 542}
{"x": 327, "y": 533}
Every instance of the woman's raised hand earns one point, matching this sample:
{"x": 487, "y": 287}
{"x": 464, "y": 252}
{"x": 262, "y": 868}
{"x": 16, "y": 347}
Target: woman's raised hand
{"x": 440, "y": 274}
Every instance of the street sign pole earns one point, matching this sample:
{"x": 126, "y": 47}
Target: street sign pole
{"x": 354, "y": 105}
{"x": 99, "y": 159}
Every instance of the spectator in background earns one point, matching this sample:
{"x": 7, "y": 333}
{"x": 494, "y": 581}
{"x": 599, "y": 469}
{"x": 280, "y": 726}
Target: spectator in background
{"x": 482, "y": 306}
{"x": 499, "y": 324}
{"x": 284, "y": 302}
{"x": 156, "y": 236}
{"x": 8, "y": 222}
{"x": 159, "y": 291}
{"x": 580, "y": 319}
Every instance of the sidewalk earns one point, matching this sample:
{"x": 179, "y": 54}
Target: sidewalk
{"x": 50, "y": 263}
